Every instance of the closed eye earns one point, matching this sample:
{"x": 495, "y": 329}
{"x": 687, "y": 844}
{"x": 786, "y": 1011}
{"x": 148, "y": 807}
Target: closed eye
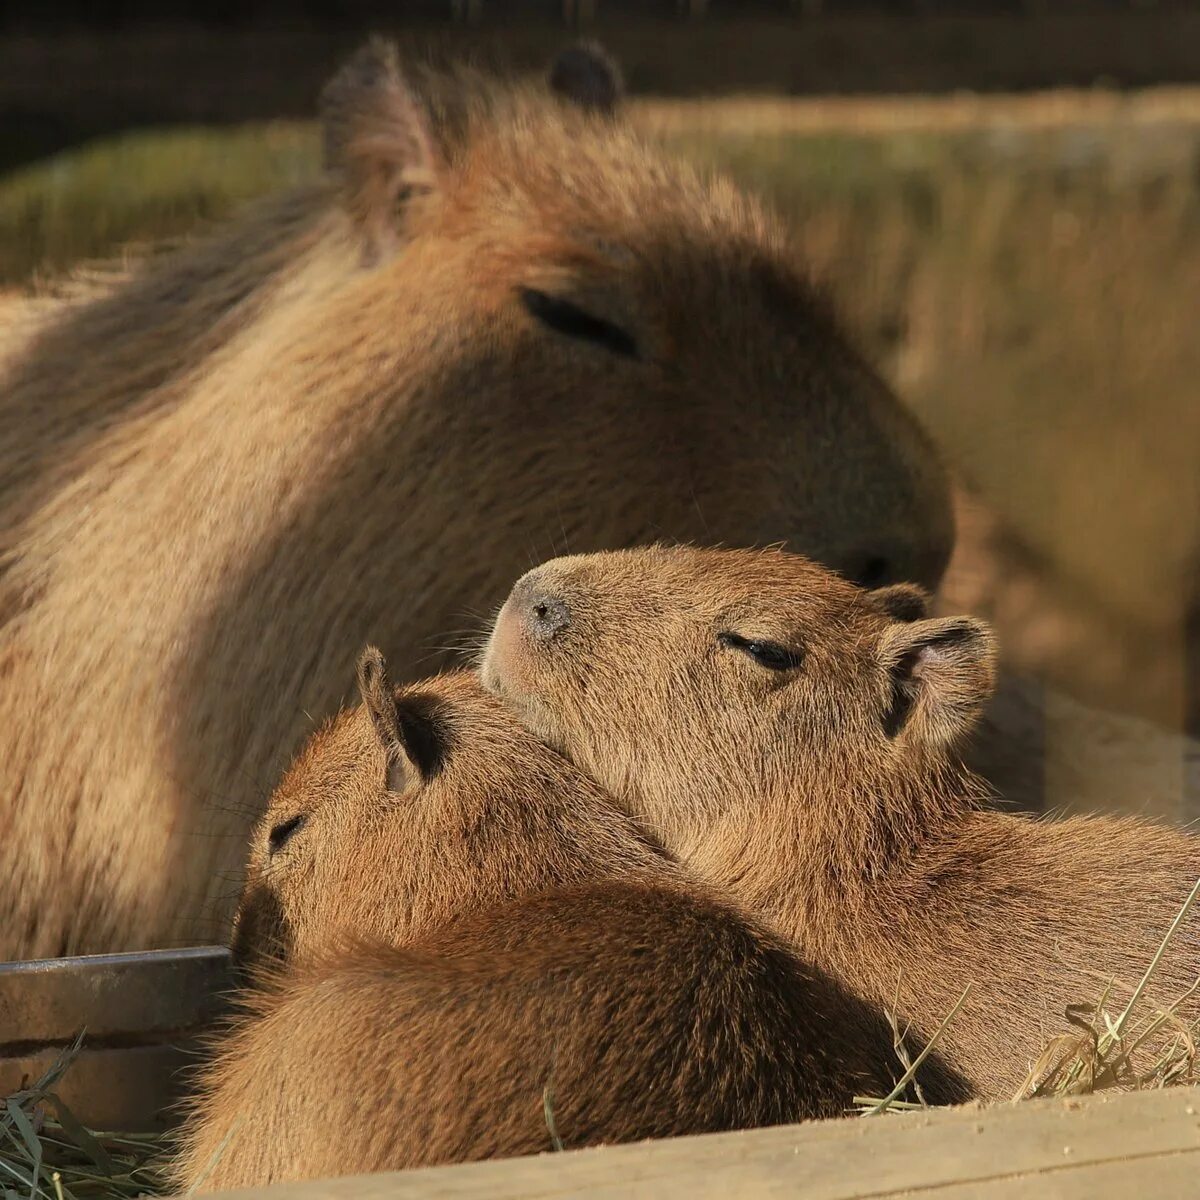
{"x": 569, "y": 319}
{"x": 771, "y": 655}
{"x": 281, "y": 834}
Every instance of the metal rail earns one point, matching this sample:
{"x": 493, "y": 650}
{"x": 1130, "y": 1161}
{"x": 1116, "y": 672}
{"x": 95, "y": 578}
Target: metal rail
{"x": 142, "y": 1014}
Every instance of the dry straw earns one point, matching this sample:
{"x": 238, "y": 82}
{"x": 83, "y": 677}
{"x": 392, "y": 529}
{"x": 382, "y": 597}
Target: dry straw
{"x": 1140, "y": 1047}
{"x": 46, "y": 1154}
{"x": 1103, "y": 1051}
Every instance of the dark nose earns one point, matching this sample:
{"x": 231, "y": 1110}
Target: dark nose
{"x": 872, "y": 571}
{"x": 261, "y": 935}
{"x": 547, "y": 616}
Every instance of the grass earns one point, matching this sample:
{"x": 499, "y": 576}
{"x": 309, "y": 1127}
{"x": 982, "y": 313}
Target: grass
{"x": 46, "y": 1154}
{"x": 141, "y": 187}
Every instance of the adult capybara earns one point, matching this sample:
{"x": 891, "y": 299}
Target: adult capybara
{"x": 793, "y": 738}
{"x": 503, "y": 324}
{"x": 540, "y": 970}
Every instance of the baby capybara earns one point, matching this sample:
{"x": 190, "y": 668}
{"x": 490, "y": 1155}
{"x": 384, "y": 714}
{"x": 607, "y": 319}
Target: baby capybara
{"x": 793, "y": 738}
{"x": 465, "y": 950}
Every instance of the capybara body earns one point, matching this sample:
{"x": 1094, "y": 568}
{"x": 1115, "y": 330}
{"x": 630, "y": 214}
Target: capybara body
{"x": 794, "y": 739}
{"x": 471, "y": 951}
{"x": 502, "y": 325}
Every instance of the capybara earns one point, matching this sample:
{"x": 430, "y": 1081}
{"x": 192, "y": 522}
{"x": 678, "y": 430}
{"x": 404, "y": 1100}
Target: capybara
{"x": 539, "y": 969}
{"x": 502, "y": 325}
{"x": 793, "y": 738}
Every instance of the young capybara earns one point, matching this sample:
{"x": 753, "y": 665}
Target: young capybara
{"x": 793, "y": 738}
{"x": 539, "y": 970}
{"x": 502, "y": 324}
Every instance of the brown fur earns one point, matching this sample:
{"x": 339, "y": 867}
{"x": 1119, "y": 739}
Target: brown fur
{"x": 529, "y": 941}
{"x": 347, "y": 384}
{"x": 829, "y": 797}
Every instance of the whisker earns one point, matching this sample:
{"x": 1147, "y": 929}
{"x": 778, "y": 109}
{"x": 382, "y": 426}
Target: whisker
{"x": 699, "y": 511}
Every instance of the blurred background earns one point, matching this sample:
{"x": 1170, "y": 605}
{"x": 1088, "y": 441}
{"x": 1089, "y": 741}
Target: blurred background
{"x": 1004, "y": 196}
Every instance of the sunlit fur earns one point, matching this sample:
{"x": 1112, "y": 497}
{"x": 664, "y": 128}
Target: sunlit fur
{"x": 528, "y": 943}
{"x": 867, "y": 845}
{"x": 334, "y": 421}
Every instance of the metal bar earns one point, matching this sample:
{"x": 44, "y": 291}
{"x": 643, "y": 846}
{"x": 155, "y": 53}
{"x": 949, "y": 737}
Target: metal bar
{"x": 150, "y": 993}
{"x": 143, "y": 1014}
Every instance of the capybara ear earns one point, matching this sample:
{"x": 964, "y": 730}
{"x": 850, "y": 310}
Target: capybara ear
{"x": 379, "y": 699}
{"x": 587, "y": 77}
{"x": 900, "y": 601}
{"x": 377, "y": 141}
{"x": 405, "y": 726}
{"x": 941, "y": 672}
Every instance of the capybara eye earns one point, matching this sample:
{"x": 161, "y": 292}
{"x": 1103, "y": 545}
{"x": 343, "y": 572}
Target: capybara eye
{"x": 771, "y": 655}
{"x": 281, "y": 834}
{"x": 564, "y": 317}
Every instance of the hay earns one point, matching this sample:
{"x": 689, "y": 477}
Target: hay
{"x": 870, "y": 1106}
{"x": 1103, "y": 1050}
{"x": 1141, "y": 1047}
{"x": 47, "y": 1154}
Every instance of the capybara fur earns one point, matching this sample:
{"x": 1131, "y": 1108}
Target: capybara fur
{"x": 794, "y": 739}
{"x": 464, "y": 950}
{"x": 502, "y": 325}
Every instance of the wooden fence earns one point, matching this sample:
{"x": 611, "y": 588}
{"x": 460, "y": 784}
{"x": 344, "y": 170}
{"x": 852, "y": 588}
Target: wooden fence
{"x": 141, "y": 1015}
{"x": 1145, "y": 1145}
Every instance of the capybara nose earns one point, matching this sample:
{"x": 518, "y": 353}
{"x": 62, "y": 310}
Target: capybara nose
{"x": 547, "y": 616}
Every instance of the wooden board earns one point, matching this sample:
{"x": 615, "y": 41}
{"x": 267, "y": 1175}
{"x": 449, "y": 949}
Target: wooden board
{"x": 141, "y": 1012}
{"x": 1097, "y": 1148}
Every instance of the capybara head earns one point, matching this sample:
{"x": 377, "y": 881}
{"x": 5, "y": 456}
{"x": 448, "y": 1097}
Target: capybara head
{"x": 567, "y": 266}
{"x": 687, "y": 680}
{"x": 420, "y": 805}
{"x": 793, "y": 738}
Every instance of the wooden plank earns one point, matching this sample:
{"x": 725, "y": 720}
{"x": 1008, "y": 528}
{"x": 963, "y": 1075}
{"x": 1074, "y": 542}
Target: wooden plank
{"x": 50, "y": 1000}
{"x": 1096, "y": 1147}
{"x": 128, "y": 1089}
{"x": 142, "y": 1014}
{"x": 1166, "y": 1177}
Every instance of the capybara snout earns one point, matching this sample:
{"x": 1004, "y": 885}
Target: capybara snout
{"x": 546, "y": 616}
{"x": 261, "y": 936}
{"x": 539, "y": 607}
